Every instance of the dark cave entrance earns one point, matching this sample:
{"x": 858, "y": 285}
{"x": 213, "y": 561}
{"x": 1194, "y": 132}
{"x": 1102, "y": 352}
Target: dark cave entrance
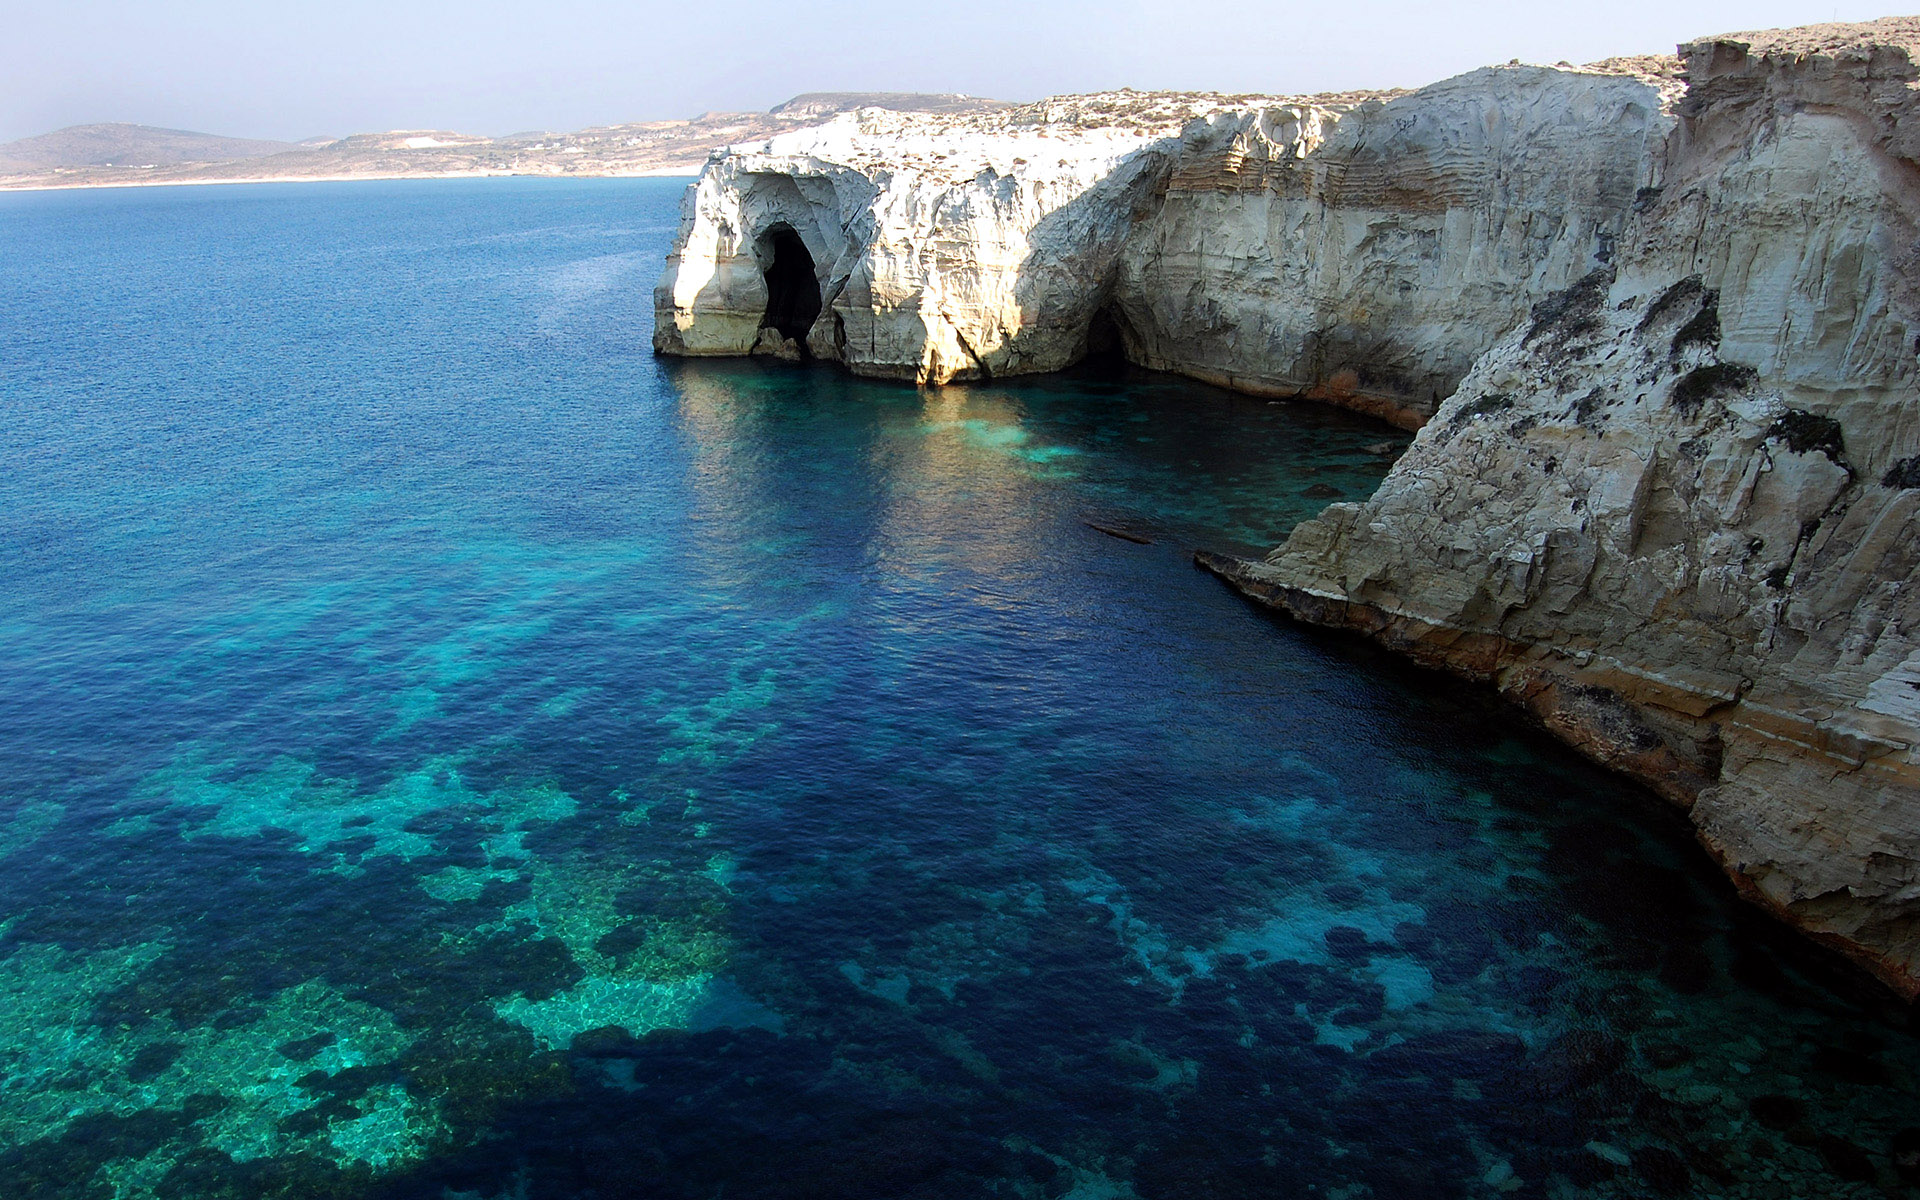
{"x": 1109, "y": 338}
{"x": 793, "y": 291}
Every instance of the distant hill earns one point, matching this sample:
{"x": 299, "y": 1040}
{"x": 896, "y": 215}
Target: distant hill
{"x": 108, "y": 155}
{"x": 826, "y": 104}
{"x": 128, "y": 146}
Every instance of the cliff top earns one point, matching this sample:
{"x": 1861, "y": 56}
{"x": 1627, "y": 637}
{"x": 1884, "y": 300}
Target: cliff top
{"x": 825, "y": 104}
{"x": 1068, "y": 134}
{"x": 1833, "y": 38}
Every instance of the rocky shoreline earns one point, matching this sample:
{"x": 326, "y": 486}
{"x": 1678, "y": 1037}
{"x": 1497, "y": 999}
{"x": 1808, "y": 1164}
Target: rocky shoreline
{"x": 1653, "y": 319}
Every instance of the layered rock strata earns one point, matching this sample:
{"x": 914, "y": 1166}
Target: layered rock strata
{"x": 1369, "y": 260}
{"x": 1655, "y": 317}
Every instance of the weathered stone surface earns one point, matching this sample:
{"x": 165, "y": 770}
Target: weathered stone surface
{"x": 1671, "y": 506}
{"x": 946, "y": 247}
{"x": 1369, "y": 259}
{"x": 1362, "y": 249}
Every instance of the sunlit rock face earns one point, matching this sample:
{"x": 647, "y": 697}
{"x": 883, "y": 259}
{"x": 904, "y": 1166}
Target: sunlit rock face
{"x": 1674, "y": 513}
{"x": 1361, "y": 248}
{"x": 1369, "y": 258}
{"x": 945, "y": 247}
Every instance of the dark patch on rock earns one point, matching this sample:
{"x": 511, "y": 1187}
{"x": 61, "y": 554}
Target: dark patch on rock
{"x": 1577, "y": 1060}
{"x": 238, "y": 1015}
{"x": 1701, "y": 384}
{"x": 1459, "y": 1054}
{"x": 1687, "y": 291}
{"x": 1805, "y": 433}
{"x": 1589, "y": 405}
{"x": 1413, "y": 937}
{"x": 1702, "y": 330}
{"x": 1845, "y": 1159}
{"x": 1485, "y": 406}
{"x": 1903, "y": 474}
{"x": 307, "y": 1047}
{"x": 1347, "y": 944}
{"x": 1540, "y": 989}
{"x": 1345, "y": 894}
{"x": 1905, "y": 1150}
{"x": 1646, "y": 198}
{"x": 1214, "y": 1167}
{"x": 1573, "y": 312}
{"x": 351, "y": 1083}
{"x": 1663, "y": 1170}
{"x": 1777, "y": 1112}
{"x": 1667, "y": 1055}
{"x": 1613, "y": 716}
{"x": 622, "y": 940}
{"x": 1587, "y": 1170}
{"x": 151, "y": 1059}
{"x": 59, "y": 1168}
{"x": 1851, "y": 1067}
{"x": 1687, "y": 968}
{"x": 609, "y": 1041}
{"x": 213, "y": 1173}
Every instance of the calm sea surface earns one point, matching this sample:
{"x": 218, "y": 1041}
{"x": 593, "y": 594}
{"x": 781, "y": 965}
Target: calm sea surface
{"x": 447, "y": 752}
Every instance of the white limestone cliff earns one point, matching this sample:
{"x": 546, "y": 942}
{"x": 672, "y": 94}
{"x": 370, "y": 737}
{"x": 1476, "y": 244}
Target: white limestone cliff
{"x": 944, "y": 248}
{"x": 1361, "y": 248}
{"x": 1657, "y": 324}
{"x": 1369, "y": 261}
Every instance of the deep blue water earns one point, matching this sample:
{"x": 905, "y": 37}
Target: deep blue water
{"x": 447, "y": 752}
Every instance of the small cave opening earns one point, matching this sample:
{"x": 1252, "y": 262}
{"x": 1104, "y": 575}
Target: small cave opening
{"x": 1107, "y": 340}
{"x": 793, "y": 291}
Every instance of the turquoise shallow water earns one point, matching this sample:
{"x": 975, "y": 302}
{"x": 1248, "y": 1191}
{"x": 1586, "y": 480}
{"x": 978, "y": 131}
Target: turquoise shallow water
{"x": 446, "y": 752}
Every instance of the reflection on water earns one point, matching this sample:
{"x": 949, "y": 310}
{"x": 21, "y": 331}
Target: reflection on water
{"x": 449, "y": 753}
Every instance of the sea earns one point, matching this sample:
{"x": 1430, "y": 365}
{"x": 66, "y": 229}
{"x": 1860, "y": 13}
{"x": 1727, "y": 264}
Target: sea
{"x": 448, "y": 753}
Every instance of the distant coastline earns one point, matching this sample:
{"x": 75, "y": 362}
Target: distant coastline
{"x": 106, "y": 184}
{"x": 122, "y": 155}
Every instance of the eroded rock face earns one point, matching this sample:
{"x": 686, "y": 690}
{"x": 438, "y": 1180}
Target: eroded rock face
{"x": 1362, "y": 249}
{"x": 1671, "y": 506}
{"x": 948, "y": 248}
{"x": 1369, "y": 260}
{"x": 1673, "y": 514}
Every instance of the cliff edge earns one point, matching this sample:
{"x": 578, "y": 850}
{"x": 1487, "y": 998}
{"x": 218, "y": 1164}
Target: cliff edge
{"x": 1654, "y": 319}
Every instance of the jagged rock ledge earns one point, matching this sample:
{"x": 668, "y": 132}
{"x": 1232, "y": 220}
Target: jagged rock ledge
{"x": 1654, "y": 319}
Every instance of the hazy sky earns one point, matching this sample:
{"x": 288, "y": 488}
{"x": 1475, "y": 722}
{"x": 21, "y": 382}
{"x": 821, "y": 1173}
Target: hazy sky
{"x": 256, "y": 68}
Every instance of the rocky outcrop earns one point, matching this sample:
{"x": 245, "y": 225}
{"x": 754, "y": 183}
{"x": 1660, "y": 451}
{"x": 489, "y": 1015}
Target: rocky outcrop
{"x": 1656, "y": 317}
{"x": 1370, "y": 260}
{"x": 943, "y": 247}
{"x": 1360, "y": 248}
{"x": 1674, "y": 514}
